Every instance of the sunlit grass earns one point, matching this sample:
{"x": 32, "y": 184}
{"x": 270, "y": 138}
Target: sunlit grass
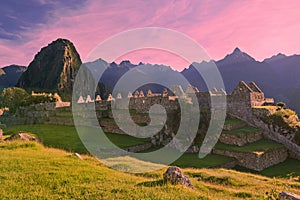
{"x": 34, "y": 172}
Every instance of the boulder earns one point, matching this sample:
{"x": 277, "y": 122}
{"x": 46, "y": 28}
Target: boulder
{"x": 175, "y": 176}
{"x": 21, "y": 136}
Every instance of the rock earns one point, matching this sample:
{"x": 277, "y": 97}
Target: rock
{"x": 21, "y": 136}
{"x": 78, "y": 156}
{"x": 175, "y": 176}
{"x": 288, "y": 196}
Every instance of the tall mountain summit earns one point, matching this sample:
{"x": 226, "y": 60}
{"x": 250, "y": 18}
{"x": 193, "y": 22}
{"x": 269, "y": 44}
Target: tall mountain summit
{"x": 53, "y": 69}
{"x": 237, "y": 56}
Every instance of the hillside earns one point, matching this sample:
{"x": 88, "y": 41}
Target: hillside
{"x": 10, "y": 75}
{"x": 53, "y": 69}
{"x": 57, "y": 174}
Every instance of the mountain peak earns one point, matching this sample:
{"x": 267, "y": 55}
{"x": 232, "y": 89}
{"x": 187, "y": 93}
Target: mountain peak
{"x": 237, "y": 56}
{"x": 124, "y": 62}
{"x": 53, "y": 69}
{"x": 274, "y": 58}
{"x": 62, "y": 40}
{"x": 237, "y": 50}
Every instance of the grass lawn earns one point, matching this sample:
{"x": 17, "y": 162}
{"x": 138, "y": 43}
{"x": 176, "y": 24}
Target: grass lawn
{"x": 191, "y": 160}
{"x": 66, "y": 137}
{"x": 30, "y": 171}
{"x": 259, "y": 146}
{"x": 289, "y": 168}
{"x": 241, "y": 131}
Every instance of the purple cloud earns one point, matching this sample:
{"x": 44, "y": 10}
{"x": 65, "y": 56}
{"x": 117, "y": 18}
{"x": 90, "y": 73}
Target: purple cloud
{"x": 259, "y": 28}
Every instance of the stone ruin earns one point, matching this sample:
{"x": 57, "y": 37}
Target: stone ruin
{"x": 240, "y": 104}
{"x": 239, "y": 101}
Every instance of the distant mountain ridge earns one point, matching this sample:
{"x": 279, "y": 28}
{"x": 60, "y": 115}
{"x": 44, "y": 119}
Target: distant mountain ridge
{"x": 10, "y": 75}
{"x": 55, "y": 66}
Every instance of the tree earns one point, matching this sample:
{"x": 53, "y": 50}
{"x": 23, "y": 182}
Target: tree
{"x": 13, "y": 98}
{"x": 281, "y": 105}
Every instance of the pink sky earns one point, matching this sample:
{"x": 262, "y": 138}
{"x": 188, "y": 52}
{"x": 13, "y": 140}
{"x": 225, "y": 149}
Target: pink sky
{"x": 260, "y": 28}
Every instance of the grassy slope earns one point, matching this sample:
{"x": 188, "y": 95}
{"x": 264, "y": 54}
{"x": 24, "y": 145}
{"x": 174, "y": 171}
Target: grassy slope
{"x": 30, "y": 171}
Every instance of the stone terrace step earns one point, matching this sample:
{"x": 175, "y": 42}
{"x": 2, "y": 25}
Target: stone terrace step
{"x": 231, "y": 124}
{"x": 241, "y": 136}
{"x": 257, "y": 156}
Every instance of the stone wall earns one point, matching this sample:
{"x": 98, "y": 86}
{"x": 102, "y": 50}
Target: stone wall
{"x": 241, "y": 139}
{"x": 138, "y": 148}
{"x": 228, "y": 127}
{"x": 256, "y": 161}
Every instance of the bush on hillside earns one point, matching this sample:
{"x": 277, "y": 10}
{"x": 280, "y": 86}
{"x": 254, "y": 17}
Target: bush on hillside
{"x": 281, "y": 104}
{"x": 13, "y": 98}
{"x": 285, "y": 118}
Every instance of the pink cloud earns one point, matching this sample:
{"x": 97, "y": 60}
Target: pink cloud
{"x": 260, "y": 28}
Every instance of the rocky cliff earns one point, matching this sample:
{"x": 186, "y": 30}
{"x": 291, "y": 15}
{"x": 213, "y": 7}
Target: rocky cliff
{"x": 53, "y": 69}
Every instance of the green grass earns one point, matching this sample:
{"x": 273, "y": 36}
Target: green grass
{"x": 192, "y": 160}
{"x": 241, "y": 131}
{"x": 66, "y": 137}
{"x": 57, "y": 136}
{"x": 259, "y": 146}
{"x": 189, "y": 160}
{"x": 31, "y": 171}
{"x": 288, "y": 168}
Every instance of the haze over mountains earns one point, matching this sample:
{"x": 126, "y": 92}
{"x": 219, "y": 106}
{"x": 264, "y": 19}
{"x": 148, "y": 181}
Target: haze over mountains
{"x": 55, "y": 66}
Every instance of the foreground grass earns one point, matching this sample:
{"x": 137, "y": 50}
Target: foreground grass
{"x": 30, "y": 171}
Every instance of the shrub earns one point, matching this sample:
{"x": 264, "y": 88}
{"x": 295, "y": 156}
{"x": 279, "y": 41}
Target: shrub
{"x": 243, "y": 195}
{"x": 13, "y": 98}
{"x": 281, "y": 104}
